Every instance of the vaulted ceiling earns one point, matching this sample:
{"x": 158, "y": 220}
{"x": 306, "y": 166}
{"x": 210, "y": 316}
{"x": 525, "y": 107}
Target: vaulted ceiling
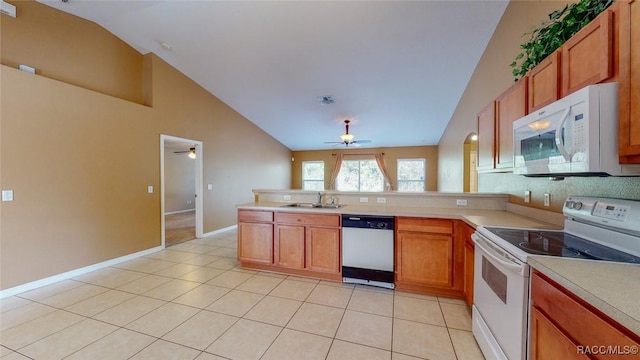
{"x": 397, "y": 69}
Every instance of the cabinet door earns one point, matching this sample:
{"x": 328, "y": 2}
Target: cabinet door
{"x": 323, "y": 249}
{"x": 289, "y": 246}
{"x": 511, "y": 105}
{"x": 424, "y": 259}
{"x": 486, "y": 138}
{"x": 469, "y": 250}
{"x": 587, "y": 57}
{"x": 255, "y": 243}
{"x": 629, "y": 78}
{"x": 544, "y": 82}
{"x": 546, "y": 341}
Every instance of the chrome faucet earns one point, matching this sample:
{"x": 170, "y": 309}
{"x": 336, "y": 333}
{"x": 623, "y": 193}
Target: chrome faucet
{"x": 319, "y": 198}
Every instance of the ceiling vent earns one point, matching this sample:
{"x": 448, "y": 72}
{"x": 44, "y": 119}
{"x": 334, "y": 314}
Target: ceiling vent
{"x": 7, "y": 9}
{"x": 326, "y": 100}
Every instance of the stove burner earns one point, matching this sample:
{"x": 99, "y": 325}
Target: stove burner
{"x": 548, "y": 249}
{"x": 608, "y": 255}
{"x": 560, "y": 243}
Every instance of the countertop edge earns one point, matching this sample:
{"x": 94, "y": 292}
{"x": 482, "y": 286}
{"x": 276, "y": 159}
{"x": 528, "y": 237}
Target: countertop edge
{"x": 472, "y": 217}
{"x": 564, "y": 279}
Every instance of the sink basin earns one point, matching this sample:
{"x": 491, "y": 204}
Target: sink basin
{"x": 314, "y": 205}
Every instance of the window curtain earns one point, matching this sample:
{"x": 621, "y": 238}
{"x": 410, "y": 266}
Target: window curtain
{"x": 336, "y": 170}
{"x": 383, "y": 170}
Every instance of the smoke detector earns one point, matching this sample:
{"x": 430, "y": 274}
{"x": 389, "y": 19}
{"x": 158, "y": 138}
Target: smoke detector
{"x": 325, "y": 100}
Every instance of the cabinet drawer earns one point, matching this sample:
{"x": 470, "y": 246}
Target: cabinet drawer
{"x": 585, "y": 326}
{"x": 255, "y": 216}
{"x": 436, "y": 226}
{"x": 330, "y": 220}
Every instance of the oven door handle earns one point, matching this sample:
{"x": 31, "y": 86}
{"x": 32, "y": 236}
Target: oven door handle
{"x": 511, "y": 265}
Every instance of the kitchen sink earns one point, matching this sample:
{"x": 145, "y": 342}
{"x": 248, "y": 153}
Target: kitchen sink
{"x": 314, "y": 205}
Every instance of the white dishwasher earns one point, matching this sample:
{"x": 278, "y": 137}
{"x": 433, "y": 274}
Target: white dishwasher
{"x": 367, "y": 250}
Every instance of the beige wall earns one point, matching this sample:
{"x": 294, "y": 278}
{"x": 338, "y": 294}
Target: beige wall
{"x": 392, "y": 154}
{"x": 179, "y": 181}
{"x": 79, "y": 158}
{"x": 491, "y": 77}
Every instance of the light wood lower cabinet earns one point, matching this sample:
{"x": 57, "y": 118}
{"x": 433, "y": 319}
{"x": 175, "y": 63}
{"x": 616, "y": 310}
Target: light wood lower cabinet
{"x": 428, "y": 259}
{"x": 563, "y": 326}
{"x": 295, "y": 243}
{"x": 289, "y": 246}
{"x": 469, "y": 250}
{"x": 255, "y": 236}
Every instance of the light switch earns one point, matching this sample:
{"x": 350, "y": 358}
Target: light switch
{"x": 7, "y": 195}
{"x": 150, "y": 189}
{"x": 209, "y": 186}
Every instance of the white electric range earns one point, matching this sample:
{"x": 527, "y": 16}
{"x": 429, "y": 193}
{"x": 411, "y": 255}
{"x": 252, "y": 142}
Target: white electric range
{"x": 598, "y": 229}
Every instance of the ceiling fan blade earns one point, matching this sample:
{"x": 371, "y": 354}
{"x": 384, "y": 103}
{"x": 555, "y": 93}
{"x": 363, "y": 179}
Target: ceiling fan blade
{"x": 361, "y": 141}
{"x": 334, "y": 142}
{"x": 181, "y": 152}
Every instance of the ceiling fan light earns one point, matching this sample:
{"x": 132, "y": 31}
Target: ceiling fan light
{"x": 192, "y": 153}
{"x": 347, "y": 137}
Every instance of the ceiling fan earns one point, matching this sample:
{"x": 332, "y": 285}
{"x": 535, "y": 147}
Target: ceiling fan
{"x": 191, "y": 151}
{"x": 348, "y": 139}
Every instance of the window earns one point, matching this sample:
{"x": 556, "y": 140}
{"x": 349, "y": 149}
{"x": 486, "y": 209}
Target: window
{"x": 313, "y": 175}
{"x": 411, "y": 173}
{"x": 360, "y": 175}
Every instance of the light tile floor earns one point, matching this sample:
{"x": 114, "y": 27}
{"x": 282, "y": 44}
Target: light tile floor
{"x": 193, "y": 301}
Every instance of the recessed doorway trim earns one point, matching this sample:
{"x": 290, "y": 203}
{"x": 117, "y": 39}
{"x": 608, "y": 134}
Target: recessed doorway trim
{"x": 198, "y": 176}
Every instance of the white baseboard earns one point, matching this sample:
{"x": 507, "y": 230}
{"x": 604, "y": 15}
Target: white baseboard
{"x": 73, "y": 273}
{"x": 179, "y": 211}
{"x": 214, "y": 232}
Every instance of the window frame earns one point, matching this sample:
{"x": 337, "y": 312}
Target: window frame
{"x": 407, "y": 181}
{"x": 305, "y": 181}
{"x": 359, "y": 161}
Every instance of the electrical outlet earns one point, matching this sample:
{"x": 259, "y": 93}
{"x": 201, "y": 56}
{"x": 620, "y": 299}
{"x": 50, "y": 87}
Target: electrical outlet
{"x": 150, "y": 189}
{"x": 547, "y": 199}
{"x": 364, "y": 199}
{"x": 461, "y": 202}
{"x": 7, "y": 195}
{"x": 287, "y": 197}
{"x": 382, "y": 200}
{"x": 527, "y": 196}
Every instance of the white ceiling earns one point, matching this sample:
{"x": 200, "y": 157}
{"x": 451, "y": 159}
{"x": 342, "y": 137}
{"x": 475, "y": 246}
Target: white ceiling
{"x": 397, "y": 68}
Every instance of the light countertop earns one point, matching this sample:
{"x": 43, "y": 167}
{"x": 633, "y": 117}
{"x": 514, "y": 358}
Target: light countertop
{"x": 613, "y": 288}
{"x": 471, "y": 217}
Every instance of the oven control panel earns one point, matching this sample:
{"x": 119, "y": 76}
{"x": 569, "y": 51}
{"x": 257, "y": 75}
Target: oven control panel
{"x": 614, "y": 213}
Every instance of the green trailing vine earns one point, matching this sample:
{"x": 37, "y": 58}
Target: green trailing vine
{"x": 552, "y": 33}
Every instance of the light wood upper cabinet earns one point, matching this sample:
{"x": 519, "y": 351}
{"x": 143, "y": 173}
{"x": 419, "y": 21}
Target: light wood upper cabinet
{"x": 495, "y": 128}
{"x": 486, "y": 138}
{"x": 544, "y": 82}
{"x": 511, "y": 105}
{"x": 587, "y": 57}
{"x": 255, "y": 236}
{"x": 560, "y": 321}
{"x": 629, "y": 79}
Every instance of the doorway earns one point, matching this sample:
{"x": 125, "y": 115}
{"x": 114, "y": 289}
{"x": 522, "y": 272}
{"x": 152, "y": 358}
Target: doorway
{"x": 470, "y": 183}
{"x": 181, "y": 189}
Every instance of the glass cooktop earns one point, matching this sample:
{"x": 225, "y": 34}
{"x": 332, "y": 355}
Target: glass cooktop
{"x": 559, "y": 243}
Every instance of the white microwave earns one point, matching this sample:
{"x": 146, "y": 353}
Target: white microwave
{"x": 574, "y": 136}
